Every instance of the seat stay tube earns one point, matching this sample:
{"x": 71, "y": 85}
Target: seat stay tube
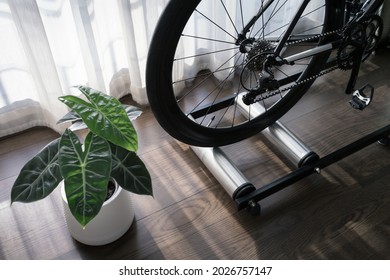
{"x": 371, "y": 6}
{"x": 291, "y": 27}
{"x": 263, "y": 8}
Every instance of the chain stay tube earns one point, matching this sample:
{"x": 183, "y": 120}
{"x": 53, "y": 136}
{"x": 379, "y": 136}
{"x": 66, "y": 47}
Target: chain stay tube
{"x": 336, "y": 5}
{"x": 308, "y": 53}
{"x": 368, "y": 8}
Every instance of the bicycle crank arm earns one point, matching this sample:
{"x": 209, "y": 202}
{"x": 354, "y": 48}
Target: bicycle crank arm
{"x": 355, "y": 72}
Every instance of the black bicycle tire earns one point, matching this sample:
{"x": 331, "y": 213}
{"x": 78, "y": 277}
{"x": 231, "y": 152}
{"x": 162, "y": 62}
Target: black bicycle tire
{"x": 159, "y": 81}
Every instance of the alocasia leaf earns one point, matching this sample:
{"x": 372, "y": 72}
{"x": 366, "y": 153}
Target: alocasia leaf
{"x": 130, "y": 172}
{"x": 86, "y": 173}
{"x": 131, "y": 111}
{"x": 105, "y": 116}
{"x": 38, "y": 177}
{"x": 69, "y": 117}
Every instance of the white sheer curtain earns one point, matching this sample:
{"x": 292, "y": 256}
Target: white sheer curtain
{"x": 48, "y": 46}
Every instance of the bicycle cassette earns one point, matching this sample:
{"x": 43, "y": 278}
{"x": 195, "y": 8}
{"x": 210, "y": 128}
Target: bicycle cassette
{"x": 257, "y": 55}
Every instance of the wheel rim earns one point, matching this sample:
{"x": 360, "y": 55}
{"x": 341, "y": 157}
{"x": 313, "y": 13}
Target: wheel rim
{"x": 166, "y": 77}
{"x": 208, "y": 69}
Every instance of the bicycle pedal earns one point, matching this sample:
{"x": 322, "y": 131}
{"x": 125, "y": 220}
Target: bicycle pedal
{"x": 362, "y": 97}
{"x": 385, "y": 141}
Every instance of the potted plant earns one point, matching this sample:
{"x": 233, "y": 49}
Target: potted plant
{"x": 90, "y": 169}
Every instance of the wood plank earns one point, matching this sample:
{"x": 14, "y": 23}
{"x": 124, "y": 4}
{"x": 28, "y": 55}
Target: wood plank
{"x": 342, "y": 213}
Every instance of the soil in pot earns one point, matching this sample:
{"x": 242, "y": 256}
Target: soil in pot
{"x": 110, "y": 190}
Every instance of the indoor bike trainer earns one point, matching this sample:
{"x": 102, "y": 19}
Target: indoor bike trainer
{"x": 245, "y": 194}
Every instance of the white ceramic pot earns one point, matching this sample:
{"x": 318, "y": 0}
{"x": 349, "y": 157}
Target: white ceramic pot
{"x": 113, "y": 220}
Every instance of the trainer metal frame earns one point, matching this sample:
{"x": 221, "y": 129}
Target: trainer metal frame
{"x": 243, "y": 192}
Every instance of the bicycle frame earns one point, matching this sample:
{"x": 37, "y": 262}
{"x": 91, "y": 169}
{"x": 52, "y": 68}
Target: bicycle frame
{"x": 244, "y": 194}
{"x": 345, "y": 18}
{"x": 369, "y": 7}
{"x": 268, "y": 52}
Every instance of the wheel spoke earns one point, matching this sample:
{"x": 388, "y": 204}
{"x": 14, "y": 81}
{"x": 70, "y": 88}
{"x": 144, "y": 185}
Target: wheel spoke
{"x": 230, "y": 18}
{"x": 226, "y": 51}
{"x": 208, "y": 39}
{"x": 205, "y": 79}
{"x": 252, "y": 77}
{"x": 217, "y": 25}
{"x": 206, "y": 75}
{"x": 207, "y": 53}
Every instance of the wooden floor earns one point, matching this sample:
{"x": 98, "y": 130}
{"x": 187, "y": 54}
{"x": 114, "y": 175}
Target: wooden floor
{"x": 342, "y": 213}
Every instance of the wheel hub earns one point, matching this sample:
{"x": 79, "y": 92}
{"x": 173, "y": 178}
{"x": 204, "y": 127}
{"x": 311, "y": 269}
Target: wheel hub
{"x": 257, "y": 54}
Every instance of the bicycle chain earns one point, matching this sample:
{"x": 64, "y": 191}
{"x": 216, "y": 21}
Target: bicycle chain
{"x": 280, "y": 91}
{"x": 267, "y": 95}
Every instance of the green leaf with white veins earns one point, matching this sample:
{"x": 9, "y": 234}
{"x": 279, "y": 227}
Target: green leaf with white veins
{"x": 105, "y": 116}
{"x": 86, "y": 174}
{"x": 131, "y": 111}
{"x": 38, "y": 177}
{"x": 130, "y": 172}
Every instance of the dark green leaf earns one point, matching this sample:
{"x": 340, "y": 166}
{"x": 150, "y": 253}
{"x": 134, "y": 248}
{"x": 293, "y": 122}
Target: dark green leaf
{"x": 38, "y": 177}
{"x": 69, "y": 117}
{"x": 130, "y": 172}
{"x": 104, "y": 116}
{"x": 86, "y": 174}
{"x": 131, "y": 111}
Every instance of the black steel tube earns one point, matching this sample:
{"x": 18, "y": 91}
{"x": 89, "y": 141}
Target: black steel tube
{"x": 302, "y": 172}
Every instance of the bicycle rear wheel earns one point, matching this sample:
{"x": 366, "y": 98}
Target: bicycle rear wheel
{"x": 199, "y": 66}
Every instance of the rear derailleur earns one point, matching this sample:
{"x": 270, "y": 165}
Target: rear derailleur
{"x": 266, "y": 82}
